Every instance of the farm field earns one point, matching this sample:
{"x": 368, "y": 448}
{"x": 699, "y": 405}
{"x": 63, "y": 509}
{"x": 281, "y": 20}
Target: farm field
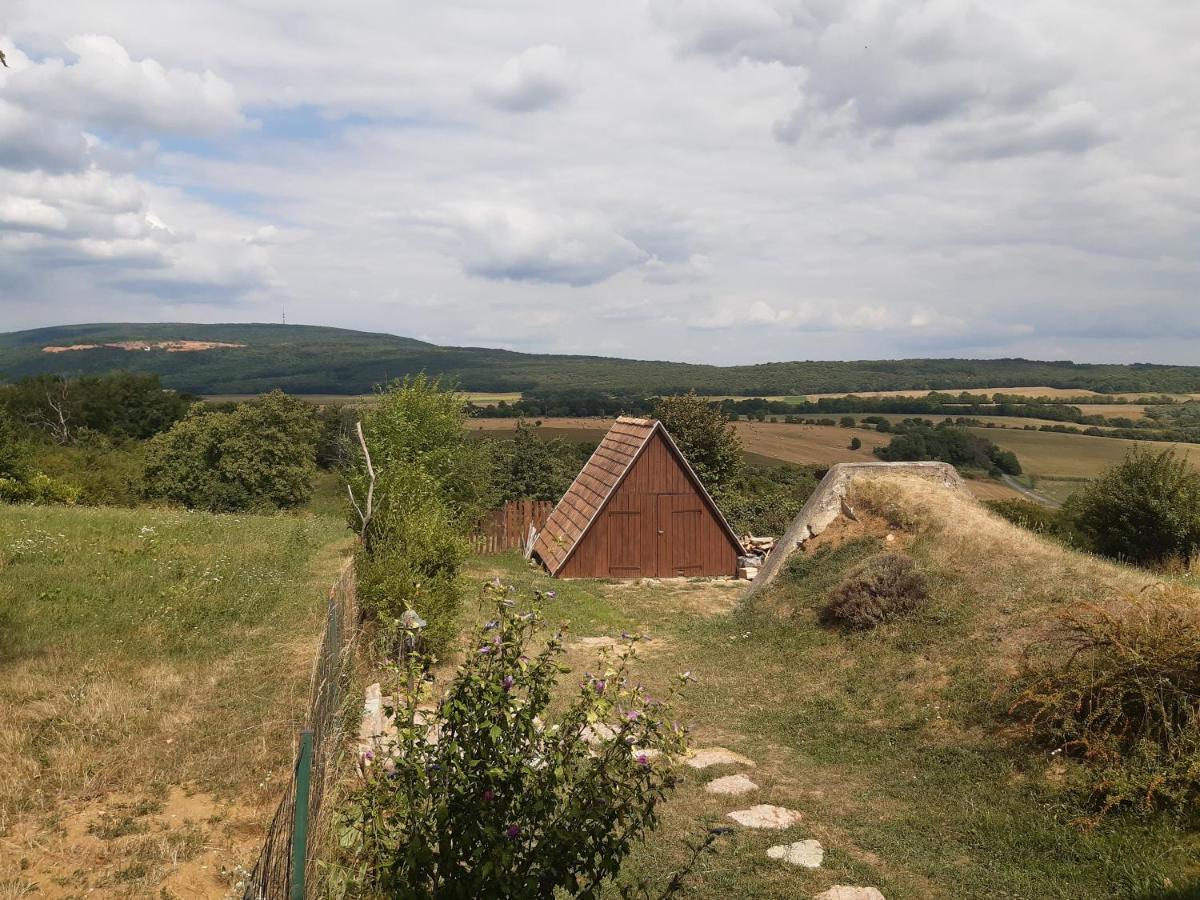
{"x": 1025, "y": 391}
{"x": 1048, "y": 454}
{"x": 889, "y": 744}
{"x": 764, "y": 443}
{"x": 153, "y": 666}
{"x": 1114, "y": 410}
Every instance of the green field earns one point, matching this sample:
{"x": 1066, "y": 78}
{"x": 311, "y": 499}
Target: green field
{"x": 893, "y": 746}
{"x": 1049, "y": 454}
{"x": 153, "y": 668}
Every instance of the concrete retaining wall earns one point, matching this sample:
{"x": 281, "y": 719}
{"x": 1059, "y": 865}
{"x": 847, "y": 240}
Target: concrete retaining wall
{"x": 828, "y": 502}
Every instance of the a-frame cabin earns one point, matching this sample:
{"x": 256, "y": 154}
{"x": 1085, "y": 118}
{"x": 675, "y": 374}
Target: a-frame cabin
{"x": 637, "y": 510}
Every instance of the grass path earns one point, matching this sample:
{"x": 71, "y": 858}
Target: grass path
{"x": 888, "y": 744}
{"x": 153, "y": 667}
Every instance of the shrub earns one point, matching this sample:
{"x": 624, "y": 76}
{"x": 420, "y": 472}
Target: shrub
{"x": 855, "y": 443}
{"x": 880, "y": 589}
{"x": 417, "y": 549}
{"x": 765, "y": 499}
{"x": 1120, "y": 691}
{"x": 419, "y": 422}
{"x": 259, "y": 455}
{"x": 918, "y": 440}
{"x": 506, "y": 803}
{"x": 528, "y": 467}
{"x": 1027, "y": 514}
{"x": 36, "y": 488}
{"x": 702, "y": 431}
{"x": 1144, "y": 509}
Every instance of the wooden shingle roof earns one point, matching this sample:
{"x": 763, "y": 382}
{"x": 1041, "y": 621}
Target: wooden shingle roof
{"x": 595, "y": 484}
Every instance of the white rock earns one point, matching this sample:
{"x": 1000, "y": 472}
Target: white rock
{"x": 716, "y": 756}
{"x": 765, "y": 816}
{"x": 731, "y": 785}
{"x": 598, "y": 733}
{"x": 802, "y": 853}
{"x": 846, "y": 892}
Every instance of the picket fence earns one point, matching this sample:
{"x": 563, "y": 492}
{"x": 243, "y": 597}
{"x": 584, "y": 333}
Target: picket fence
{"x": 507, "y": 528}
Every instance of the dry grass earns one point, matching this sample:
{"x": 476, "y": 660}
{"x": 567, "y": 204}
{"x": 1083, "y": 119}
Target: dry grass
{"x": 150, "y": 658}
{"x": 1052, "y": 455}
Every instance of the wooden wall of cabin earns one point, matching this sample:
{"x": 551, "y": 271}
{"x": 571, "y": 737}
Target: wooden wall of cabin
{"x": 657, "y": 494}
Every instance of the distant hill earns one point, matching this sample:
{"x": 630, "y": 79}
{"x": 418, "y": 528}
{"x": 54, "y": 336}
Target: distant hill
{"x": 307, "y": 359}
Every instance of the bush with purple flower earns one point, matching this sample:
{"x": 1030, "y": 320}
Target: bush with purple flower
{"x": 509, "y": 801}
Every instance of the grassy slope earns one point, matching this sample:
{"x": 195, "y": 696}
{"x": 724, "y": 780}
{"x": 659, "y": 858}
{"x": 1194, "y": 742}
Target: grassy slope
{"x": 144, "y": 651}
{"x": 315, "y": 360}
{"x": 893, "y": 745}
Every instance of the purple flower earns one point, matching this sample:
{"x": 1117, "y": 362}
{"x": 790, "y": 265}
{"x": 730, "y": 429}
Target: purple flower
{"x": 489, "y": 795}
{"x": 485, "y": 649}
{"x": 507, "y": 683}
{"x": 599, "y": 685}
{"x": 513, "y": 832}
{"x": 367, "y": 756}
{"x": 495, "y": 623}
{"x": 643, "y": 760}
{"x": 632, "y": 715}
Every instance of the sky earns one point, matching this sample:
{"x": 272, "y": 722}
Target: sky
{"x": 697, "y": 180}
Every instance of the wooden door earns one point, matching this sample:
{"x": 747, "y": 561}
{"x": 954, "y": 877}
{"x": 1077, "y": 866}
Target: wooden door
{"x": 680, "y": 520}
{"x": 630, "y": 523}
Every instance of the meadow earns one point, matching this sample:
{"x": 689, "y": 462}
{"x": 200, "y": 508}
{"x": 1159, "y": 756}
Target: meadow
{"x": 154, "y": 667}
{"x": 892, "y": 745}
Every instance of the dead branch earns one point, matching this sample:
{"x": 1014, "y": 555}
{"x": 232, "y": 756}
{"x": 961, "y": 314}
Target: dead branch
{"x": 364, "y": 515}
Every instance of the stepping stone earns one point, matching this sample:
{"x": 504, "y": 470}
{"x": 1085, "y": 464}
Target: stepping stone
{"x": 765, "y": 816}
{"x": 802, "y": 853}
{"x": 731, "y": 785}
{"x": 716, "y": 756}
{"x": 845, "y": 892}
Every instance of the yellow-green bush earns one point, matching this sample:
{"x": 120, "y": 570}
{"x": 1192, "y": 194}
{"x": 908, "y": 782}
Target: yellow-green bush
{"x": 1120, "y": 691}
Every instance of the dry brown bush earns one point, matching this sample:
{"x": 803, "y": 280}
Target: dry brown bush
{"x": 1119, "y": 689}
{"x": 880, "y": 589}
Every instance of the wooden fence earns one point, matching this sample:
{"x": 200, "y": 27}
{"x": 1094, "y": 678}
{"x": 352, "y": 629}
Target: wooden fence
{"x": 508, "y": 527}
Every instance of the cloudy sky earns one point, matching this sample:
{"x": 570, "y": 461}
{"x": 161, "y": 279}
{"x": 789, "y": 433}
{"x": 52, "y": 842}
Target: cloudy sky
{"x": 705, "y": 180}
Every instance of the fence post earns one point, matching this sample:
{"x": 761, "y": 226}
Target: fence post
{"x": 300, "y": 828}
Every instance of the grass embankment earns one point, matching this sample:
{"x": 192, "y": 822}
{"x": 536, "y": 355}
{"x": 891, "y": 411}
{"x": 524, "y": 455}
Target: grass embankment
{"x": 893, "y": 744}
{"x": 153, "y": 667}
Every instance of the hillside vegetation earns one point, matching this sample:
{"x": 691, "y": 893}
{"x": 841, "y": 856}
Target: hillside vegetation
{"x": 316, "y": 360}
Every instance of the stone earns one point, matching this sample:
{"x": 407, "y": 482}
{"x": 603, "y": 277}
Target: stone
{"x": 766, "y": 816}
{"x": 807, "y": 854}
{"x": 731, "y": 785}
{"x": 716, "y": 756}
{"x": 846, "y": 892}
{"x": 598, "y": 733}
{"x": 747, "y": 573}
{"x": 891, "y": 539}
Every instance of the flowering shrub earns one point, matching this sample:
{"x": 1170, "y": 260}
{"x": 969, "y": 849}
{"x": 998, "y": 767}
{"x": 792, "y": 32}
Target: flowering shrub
{"x": 480, "y": 797}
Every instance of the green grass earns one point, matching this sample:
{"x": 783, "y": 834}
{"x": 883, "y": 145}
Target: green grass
{"x": 891, "y": 744}
{"x": 144, "y": 652}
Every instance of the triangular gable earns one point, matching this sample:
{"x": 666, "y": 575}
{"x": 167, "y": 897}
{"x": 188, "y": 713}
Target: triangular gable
{"x": 590, "y": 492}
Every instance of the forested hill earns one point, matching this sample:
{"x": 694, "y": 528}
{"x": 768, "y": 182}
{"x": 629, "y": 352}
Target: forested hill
{"x": 316, "y": 360}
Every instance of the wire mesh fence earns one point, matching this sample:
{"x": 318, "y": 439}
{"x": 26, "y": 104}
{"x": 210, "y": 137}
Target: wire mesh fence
{"x": 286, "y": 853}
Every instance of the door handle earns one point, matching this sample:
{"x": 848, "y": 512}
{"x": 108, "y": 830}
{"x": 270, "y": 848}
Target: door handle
{"x": 660, "y": 531}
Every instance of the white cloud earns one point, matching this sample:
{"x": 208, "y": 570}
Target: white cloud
{"x": 102, "y": 87}
{"x": 717, "y": 180}
{"x": 520, "y": 244}
{"x": 535, "y": 79}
